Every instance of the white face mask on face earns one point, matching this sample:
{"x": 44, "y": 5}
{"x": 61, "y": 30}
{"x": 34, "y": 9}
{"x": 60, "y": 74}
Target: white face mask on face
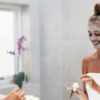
{"x": 95, "y": 39}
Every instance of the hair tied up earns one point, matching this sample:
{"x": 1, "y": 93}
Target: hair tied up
{"x": 97, "y": 9}
{"x": 93, "y": 18}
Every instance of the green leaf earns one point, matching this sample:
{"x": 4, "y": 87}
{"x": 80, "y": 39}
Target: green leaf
{"x": 71, "y": 94}
{"x": 19, "y": 78}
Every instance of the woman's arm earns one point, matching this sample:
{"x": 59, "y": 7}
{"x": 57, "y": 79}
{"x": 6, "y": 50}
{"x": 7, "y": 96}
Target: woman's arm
{"x": 99, "y": 89}
{"x": 81, "y": 93}
{"x": 85, "y": 63}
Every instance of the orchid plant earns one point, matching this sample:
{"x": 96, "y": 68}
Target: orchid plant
{"x": 19, "y": 50}
{"x": 19, "y": 76}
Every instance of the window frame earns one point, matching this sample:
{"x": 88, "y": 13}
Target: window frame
{"x": 17, "y": 31}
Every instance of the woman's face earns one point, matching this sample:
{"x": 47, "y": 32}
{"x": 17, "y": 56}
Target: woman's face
{"x": 94, "y": 35}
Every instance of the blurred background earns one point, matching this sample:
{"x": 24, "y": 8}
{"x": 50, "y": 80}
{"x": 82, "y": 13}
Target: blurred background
{"x": 56, "y": 42}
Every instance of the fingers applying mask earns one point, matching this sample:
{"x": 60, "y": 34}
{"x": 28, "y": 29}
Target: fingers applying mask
{"x": 85, "y": 76}
{"x": 86, "y": 79}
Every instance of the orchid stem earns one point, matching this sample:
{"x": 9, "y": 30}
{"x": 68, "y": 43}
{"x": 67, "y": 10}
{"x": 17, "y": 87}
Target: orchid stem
{"x": 18, "y": 57}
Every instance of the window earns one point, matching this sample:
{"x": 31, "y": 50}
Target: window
{"x": 9, "y": 29}
{"x": 6, "y": 42}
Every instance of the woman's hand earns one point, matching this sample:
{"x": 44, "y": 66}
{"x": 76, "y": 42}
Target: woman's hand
{"x": 91, "y": 82}
{"x": 79, "y": 93}
{"x": 16, "y": 94}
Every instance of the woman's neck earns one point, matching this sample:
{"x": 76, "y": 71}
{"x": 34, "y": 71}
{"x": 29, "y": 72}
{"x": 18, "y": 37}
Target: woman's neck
{"x": 97, "y": 53}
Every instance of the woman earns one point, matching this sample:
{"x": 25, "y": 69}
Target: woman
{"x": 91, "y": 63}
{"x": 15, "y": 94}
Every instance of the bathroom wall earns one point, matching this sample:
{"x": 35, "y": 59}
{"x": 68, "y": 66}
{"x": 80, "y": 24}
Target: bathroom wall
{"x": 63, "y": 44}
{"x": 51, "y": 50}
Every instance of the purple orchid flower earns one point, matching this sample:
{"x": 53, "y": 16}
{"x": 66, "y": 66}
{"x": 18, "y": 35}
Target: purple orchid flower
{"x": 19, "y": 50}
{"x": 20, "y": 41}
{"x": 20, "y": 47}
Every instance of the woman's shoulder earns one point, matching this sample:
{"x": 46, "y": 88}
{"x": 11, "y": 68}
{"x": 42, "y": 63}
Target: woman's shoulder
{"x": 88, "y": 57}
{"x": 85, "y": 63}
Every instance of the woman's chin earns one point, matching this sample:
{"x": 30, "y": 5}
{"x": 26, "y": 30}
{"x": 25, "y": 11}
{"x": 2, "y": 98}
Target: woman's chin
{"x": 97, "y": 47}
